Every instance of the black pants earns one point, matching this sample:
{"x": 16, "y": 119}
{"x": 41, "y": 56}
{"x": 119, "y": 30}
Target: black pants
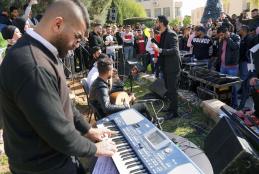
{"x": 142, "y": 108}
{"x": 171, "y": 84}
{"x": 71, "y": 166}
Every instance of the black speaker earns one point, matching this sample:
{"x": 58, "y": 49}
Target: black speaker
{"x": 228, "y": 150}
{"x": 158, "y": 87}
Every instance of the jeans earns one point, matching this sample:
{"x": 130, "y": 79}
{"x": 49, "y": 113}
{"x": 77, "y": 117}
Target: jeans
{"x": 243, "y": 70}
{"x": 144, "y": 59}
{"x": 155, "y": 66}
{"x": 233, "y": 71}
{"x": 128, "y": 52}
{"x": 212, "y": 63}
{"x": 245, "y": 88}
{"x": 111, "y": 55}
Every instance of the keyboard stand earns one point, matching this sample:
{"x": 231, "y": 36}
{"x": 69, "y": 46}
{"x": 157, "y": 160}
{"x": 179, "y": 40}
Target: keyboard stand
{"x": 158, "y": 121}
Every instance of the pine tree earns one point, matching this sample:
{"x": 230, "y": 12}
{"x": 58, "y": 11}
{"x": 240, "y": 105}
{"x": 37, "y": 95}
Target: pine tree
{"x": 212, "y": 10}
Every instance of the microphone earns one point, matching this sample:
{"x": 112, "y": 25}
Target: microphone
{"x": 82, "y": 46}
{"x": 64, "y": 65}
{"x": 147, "y": 100}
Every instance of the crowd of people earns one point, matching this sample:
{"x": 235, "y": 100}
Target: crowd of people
{"x": 36, "y": 101}
{"x": 224, "y": 44}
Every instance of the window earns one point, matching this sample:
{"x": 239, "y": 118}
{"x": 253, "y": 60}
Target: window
{"x": 157, "y": 12}
{"x": 148, "y": 11}
{"x": 166, "y": 11}
{"x": 177, "y": 11}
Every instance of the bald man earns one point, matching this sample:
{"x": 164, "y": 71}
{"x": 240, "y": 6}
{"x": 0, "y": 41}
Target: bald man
{"x": 42, "y": 130}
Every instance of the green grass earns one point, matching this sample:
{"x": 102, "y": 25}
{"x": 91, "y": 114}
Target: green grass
{"x": 194, "y": 126}
{"x": 3, "y": 160}
{"x": 4, "y": 169}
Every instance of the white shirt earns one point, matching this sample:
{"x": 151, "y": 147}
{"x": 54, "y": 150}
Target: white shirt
{"x": 149, "y": 47}
{"x": 92, "y": 75}
{"x": 43, "y": 41}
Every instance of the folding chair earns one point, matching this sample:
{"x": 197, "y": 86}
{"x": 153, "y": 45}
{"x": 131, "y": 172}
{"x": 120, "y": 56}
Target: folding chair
{"x": 87, "y": 91}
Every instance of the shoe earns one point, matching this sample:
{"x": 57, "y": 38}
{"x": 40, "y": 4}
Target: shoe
{"x": 170, "y": 116}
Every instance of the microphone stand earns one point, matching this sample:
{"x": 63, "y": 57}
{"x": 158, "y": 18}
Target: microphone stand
{"x": 86, "y": 51}
{"x": 82, "y": 46}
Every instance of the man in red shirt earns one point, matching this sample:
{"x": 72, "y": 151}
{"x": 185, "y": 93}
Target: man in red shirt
{"x": 140, "y": 47}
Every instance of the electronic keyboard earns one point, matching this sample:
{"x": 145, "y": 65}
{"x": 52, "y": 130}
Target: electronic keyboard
{"x": 143, "y": 148}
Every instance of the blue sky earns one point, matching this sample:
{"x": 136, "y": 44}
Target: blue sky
{"x": 188, "y": 5}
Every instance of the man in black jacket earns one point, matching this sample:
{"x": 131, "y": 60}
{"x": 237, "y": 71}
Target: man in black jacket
{"x": 251, "y": 23}
{"x": 169, "y": 61}
{"x": 4, "y": 19}
{"x": 95, "y": 38}
{"x": 254, "y": 76}
{"x": 229, "y": 56}
{"x": 42, "y": 130}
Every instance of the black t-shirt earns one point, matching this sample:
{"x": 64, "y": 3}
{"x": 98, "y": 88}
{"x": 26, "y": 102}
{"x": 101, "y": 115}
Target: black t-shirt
{"x": 201, "y": 47}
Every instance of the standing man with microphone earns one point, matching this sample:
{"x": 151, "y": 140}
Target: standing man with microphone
{"x": 43, "y": 131}
{"x": 169, "y": 62}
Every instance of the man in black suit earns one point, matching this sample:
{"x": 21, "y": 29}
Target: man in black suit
{"x": 35, "y": 105}
{"x": 169, "y": 61}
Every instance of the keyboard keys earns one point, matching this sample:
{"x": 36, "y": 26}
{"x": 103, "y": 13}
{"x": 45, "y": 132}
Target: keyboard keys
{"x": 125, "y": 158}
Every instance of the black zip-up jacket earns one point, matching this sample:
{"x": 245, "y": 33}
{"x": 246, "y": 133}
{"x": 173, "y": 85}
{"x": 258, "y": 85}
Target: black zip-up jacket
{"x": 232, "y": 50}
{"x": 100, "y": 98}
{"x": 95, "y": 40}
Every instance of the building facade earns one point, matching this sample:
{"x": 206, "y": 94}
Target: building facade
{"x": 169, "y": 8}
{"x": 197, "y": 15}
{"x": 237, "y": 6}
{"x": 230, "y": 7}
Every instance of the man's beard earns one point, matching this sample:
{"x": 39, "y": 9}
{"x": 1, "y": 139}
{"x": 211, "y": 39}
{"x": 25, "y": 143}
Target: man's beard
{"x": 60, "y": 44}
